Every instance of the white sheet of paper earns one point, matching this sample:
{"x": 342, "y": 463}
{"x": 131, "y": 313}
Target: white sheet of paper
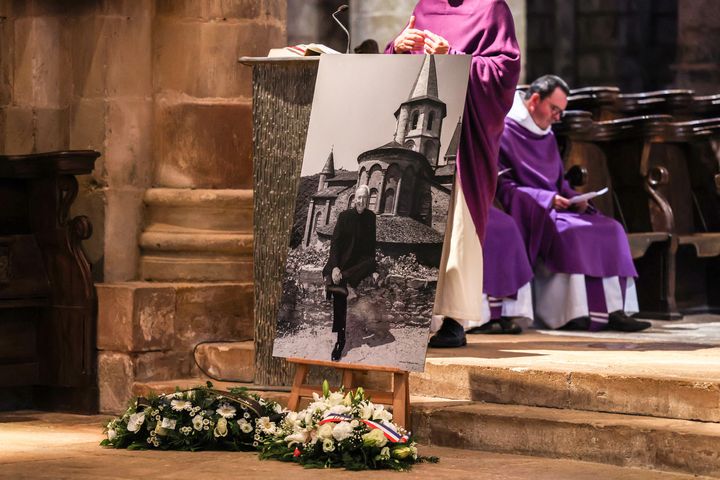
{"x": 587, "y": 196}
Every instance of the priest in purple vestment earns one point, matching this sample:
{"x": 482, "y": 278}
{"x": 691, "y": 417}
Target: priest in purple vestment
{"x": 584, "y": 273}
{"x": 485, "y": 30}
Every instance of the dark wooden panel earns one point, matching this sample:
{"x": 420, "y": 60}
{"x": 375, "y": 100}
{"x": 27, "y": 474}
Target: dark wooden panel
{"x": 19, "y": 374}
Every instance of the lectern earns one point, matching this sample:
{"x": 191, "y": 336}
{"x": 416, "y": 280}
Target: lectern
{"x": 282, "y": 99}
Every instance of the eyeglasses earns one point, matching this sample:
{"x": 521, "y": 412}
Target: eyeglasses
{"x": 556, "y": 111}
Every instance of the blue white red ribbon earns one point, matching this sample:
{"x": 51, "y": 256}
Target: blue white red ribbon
{"x": 388, "y": 431}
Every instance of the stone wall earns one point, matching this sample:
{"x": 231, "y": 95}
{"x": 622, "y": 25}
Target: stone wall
{"x": 156, "y": 88}
{"x": 67, "y": 83}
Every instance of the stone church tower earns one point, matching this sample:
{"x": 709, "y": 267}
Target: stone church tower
{"x": 420, "y": 117}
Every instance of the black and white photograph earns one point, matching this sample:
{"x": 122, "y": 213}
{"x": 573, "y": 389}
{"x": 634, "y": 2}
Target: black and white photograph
{"x": 371, "y": 209}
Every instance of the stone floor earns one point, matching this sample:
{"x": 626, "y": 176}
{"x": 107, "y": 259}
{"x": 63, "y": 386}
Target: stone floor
{"x": 36, "y": 445}
{"x": 55, "y": 446}
{"x": 689, "y": 348}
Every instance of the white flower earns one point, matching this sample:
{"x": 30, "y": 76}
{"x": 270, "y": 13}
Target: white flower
{"x": 328, "y": 445}
{"x": 197, "y": 422}
{"x": 278, "y": 408}
{"x": 354, "y": 423}
{"x": 244, "y": 425}
{"x": 111, "y": 434}
{"x": 292, "y": 420}
{"x": 374, "y": 438}
{"x": 380, "y": 414}
{"x": 385, "y": 453}
{"x": 366, "y": 411}
{"x": 340, "y": 409}
{"x": 342, "y": 431}
{"x": 135, "y": 421}
{"x": 335, "y": 398}
{"x": 325, "y": 431}
{"x": 266, "y": 425}
{"x": 246, "y": 415}
{"x": 298, "y": 437}
{"x": 221, "y": 428}
{"x": 180, "y": 405}
{"x": 226, "y": 411}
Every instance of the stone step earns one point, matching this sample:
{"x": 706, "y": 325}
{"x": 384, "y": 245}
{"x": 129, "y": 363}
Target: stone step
{"x": 230, "y": 361}
{"x": 627, "y": 393}
{"x": 198, "y": 267}
{"x": 228, "y": 243}
{"x": 221, "y": 210}
{"x": 624, "y": 440}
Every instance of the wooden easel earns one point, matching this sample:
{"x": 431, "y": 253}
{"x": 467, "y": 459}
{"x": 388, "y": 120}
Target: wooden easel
{"x": 398, "y": 397}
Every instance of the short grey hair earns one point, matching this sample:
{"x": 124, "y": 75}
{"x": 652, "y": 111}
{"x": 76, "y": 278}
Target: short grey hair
{"x": 546, "y": 85}
{"x": 362, "y": 187}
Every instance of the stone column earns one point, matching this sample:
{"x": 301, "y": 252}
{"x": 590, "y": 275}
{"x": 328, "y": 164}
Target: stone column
{"x": 519, "y": 13}
{"x": 194, "y": 281}
{"x": 378, "y": 19}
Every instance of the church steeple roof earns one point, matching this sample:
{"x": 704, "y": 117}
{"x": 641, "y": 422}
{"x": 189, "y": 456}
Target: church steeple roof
{"x": 329, "y": 168}
{"x": 426, "y": 84}
{"x": 451, "y": 152}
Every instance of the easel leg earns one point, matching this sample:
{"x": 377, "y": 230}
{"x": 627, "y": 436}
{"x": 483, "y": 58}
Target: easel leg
{"x": 401, "y": 398}
{"x": 347, "y": 379}
{"x": 301, "y": 370}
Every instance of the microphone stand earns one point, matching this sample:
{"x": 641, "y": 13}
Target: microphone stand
{"x": 342, "y": 8}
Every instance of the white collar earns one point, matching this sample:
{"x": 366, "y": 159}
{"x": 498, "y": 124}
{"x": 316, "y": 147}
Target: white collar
{"x": 521, "y": 115}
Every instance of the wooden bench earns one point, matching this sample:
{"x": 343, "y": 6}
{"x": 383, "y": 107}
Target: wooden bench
{"x": 686, "y": 151}
{"x": 612, "y": 153}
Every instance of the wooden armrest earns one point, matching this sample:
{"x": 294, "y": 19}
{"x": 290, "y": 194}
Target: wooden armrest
{"x": 577, "y": 176}
{"x": 658, "y": 176}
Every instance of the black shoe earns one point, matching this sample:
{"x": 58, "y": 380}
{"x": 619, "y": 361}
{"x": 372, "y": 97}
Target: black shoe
{"x": 580, "y": 323}
{"x": 450, "y": 335}
{"x": 337, "y": 352}
{"x": 504, "y": 326}
{"x": 620, "y": 322}
{"x": 339, "y": 347}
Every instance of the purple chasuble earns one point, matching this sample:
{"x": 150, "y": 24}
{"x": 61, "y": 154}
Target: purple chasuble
{"x": 505, "y": 264}
{"x": 485, "y": 30}
{"x": 568, "y": 242}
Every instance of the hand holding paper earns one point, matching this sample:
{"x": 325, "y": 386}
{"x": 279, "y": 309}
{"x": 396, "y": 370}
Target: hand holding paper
{"x": 588, "y": 196}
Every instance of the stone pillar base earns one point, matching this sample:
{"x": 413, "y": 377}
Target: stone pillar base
{"x": 148, "y": 331}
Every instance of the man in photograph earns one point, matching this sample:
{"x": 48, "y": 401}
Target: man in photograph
{"x": 352, "y": 258}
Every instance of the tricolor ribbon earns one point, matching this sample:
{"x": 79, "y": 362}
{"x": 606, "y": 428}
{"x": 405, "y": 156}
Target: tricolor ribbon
{"x": 388, "y": 431}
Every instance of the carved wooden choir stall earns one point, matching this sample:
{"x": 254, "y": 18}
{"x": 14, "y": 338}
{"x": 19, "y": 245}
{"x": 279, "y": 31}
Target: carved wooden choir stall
{"x": 47, "y": 297}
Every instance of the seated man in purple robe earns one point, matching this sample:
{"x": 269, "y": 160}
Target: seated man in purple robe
{"x": 507, "y": 275}
{"x": 584, "y": 273}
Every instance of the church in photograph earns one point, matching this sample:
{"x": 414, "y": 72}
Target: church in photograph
{"x": 409, "y": 183}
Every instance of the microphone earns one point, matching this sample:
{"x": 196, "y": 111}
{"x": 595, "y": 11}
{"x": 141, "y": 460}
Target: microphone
{"x": 342, "y": 8}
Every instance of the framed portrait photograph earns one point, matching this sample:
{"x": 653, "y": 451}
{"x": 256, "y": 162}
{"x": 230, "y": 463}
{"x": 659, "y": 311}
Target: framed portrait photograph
{"x": 371, "y": 209}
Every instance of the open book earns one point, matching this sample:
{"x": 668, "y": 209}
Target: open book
{"x": 588, "y": 196}
{"x": 301, "y": 50}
